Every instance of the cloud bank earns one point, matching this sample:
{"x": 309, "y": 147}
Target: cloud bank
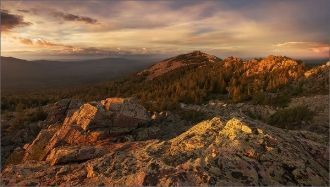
{"x": 242, "y": 28}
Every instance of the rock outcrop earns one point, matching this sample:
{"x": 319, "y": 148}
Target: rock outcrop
{"x": 213, "y": 152}
{"x": 317, "y": 80}
{"x": 29, "y": 133}
{"x": 88, "y": 125}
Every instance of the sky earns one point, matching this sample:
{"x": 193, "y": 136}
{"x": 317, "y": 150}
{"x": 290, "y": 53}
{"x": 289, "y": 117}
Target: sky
{"x": 97, "y": 28}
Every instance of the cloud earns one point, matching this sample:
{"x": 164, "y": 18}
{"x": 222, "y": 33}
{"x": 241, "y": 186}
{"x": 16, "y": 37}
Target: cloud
{"x": 64, "y": 49}
{"x": 26, "y": 41}
{"x": 10, "y": 21}
{"x": 238, "y": 28}
{"x": 23, "y": 10}
{"x": 314, "y": 46}
{"x": 318, "y": 48}
{"x": 58, "y": 14}
{"x": 72, "y": 17}
{"x": 41, "y": 43}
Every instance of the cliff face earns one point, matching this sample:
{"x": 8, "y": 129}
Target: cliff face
{"x": 97, "y": 143}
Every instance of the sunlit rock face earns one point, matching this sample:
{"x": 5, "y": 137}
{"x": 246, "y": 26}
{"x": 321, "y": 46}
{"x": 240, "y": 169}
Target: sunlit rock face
{"x": 212, "y": 152}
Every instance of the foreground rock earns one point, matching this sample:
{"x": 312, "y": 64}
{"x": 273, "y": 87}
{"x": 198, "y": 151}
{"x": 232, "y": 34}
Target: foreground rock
{"x": 25, "y": 132}
{"x": 213, "y": 152}
{"x": 92, "y": 124}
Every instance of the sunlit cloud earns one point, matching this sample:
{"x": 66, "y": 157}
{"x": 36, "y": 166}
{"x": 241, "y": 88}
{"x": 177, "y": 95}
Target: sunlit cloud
{"x": 223, "y": 28}
{"x": 311, "y": 48}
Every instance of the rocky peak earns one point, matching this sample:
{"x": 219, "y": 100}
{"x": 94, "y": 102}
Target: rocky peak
{"x": 275, "y": 64}
{"x": 168, "y": 65}
{"x": 232, "y": 58}
{"x": 198, "y": 53}
{"x": 196, "y": 57}
{"x": 229, "y": 61}
{"x": 318, "y": 70}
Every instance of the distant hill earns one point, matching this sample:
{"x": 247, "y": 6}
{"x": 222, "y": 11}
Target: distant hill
{"x": 171, "y": 64}
{"x": 18, "y": 74}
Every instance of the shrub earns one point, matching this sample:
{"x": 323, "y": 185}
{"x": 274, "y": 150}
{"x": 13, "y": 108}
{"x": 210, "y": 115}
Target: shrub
{"x": 25, "y": 117}
{"x": 15, "y": 157}
{"x": 38, "y": 115}
{"x": 290, "y": 118}
{"x": 279, "y": 100}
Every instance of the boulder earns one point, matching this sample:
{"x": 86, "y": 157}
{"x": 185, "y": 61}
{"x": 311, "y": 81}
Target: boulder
{"x": 119, "y": 115}
{"x": 126, "y": 107}
{"x": 126, "y": 114}
{"x": 90, "y": 116}
{"x": 90, "y": 123}
{"x": 58, "y": 111}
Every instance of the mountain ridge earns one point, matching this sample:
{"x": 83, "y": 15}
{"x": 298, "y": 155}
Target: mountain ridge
{"x": 211, "y": 122}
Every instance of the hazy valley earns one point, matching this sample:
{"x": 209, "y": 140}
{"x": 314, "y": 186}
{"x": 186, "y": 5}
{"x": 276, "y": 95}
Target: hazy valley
{"x": 44, "y": 74}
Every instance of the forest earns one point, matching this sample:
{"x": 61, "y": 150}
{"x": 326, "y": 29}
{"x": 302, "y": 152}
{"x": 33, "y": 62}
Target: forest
{"x": 229, "y": 80}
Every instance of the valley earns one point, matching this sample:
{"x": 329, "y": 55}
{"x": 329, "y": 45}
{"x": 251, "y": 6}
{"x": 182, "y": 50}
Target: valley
{"x": 18, "y": 74}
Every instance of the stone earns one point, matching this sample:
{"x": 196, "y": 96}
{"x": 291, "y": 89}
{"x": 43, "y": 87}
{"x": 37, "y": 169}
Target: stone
{"x": 37, "y": 151}
{"x": 58, "y": 111}
{"x": 74, "y": 154}
{"x": 126, "y": 107}
{"x": 90, "y": 116}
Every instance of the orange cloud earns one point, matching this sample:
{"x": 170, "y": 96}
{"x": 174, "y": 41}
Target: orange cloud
{"x": 315, "y": 47}
{"x": 26, "y": 41}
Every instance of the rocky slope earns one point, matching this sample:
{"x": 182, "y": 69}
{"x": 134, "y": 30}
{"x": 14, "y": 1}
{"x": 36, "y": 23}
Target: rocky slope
{"x": 194, "y": 58}
{"x": 317, "y": 79}
{"x": 117, "y": 142}
{"x": 317, "y": 104}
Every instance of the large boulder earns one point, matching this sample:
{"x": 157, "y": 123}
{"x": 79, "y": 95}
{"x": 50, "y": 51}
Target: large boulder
{"x": 126, "y": 114}
{"x": 118, "y": 115}
{"x": 126, "y": 107}
{"x": 85, "y": 125}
